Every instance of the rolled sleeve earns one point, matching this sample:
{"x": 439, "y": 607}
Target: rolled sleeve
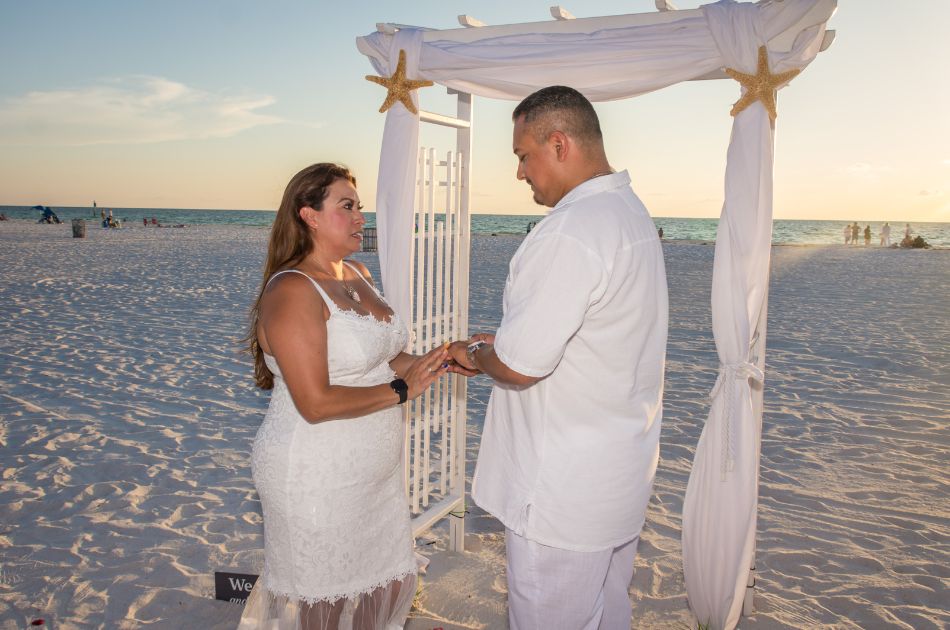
{"x": 551, "y": 285}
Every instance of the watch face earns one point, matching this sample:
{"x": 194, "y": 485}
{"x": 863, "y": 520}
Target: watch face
{"x": 400, "y": 387}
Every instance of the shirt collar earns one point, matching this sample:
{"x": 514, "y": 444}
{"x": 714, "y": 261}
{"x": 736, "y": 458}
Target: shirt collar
{"x": 593, "y": 186}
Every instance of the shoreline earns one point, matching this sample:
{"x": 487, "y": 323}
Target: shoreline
{"x": 136, "y": 229}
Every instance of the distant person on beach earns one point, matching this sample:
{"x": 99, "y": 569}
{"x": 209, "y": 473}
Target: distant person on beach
{"x": 571, "y": 437}
{"x": 3, "y": 216}
{"x": 855, "y": 232}
{"x": 660, "y": 232}
{"x": 144, "y": 222}
{"x": 867, "y": 235}
{"x": 327, "y": 459}
{"x": 886, "y": 235}
{"x": 847, "y": 234}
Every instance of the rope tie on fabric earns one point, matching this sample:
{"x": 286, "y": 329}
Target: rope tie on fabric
{"x": 729, "y": 373}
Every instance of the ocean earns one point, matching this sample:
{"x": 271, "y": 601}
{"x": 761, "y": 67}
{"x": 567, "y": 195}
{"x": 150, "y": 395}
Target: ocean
{"x": 784, "y": 231}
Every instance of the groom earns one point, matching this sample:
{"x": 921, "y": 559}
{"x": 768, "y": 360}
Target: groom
{"x": 571, "y": 437}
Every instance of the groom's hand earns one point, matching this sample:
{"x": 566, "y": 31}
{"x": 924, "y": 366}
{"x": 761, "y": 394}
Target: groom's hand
{"x": 459, "y": 363}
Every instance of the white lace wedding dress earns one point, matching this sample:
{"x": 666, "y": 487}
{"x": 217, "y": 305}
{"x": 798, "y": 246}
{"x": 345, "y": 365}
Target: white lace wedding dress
{"x": 337, "y": 542}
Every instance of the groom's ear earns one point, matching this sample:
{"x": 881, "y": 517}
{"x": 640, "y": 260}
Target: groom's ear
{"x": 561, "y": 144}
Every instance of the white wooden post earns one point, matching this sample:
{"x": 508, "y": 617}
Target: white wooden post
{"x": 463, "y": 143}
{"x": 758, "y": 392}
{"x": 436, "y": 422}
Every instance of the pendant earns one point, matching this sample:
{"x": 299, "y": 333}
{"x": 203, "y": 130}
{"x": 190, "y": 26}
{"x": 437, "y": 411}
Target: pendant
{"x": 350, "y": 291}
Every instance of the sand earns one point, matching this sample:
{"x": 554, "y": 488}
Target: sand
{"x": 127, "y": 414}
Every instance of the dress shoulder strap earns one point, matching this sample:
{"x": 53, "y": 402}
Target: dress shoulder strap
{"x": 316, "y": 285}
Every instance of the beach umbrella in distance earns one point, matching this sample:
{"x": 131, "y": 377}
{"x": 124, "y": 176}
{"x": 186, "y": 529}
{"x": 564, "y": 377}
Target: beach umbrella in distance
{"x": 48, "y": 215}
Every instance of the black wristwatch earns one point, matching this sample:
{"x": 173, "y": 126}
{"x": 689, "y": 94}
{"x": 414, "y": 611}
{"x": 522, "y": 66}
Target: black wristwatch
{"x": 399, "y": 386}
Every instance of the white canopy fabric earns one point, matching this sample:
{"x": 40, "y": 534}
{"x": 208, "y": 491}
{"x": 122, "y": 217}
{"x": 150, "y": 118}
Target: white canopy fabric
{"x": 719, "y": 512}
{"x": 614, "y": 63}
{"x": 396, "y": 182}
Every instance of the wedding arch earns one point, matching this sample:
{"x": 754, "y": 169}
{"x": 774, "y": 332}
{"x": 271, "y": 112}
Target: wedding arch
{"x": 422, "y": 208}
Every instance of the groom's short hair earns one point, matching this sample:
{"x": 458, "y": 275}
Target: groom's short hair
{"x": 560, "y": 108}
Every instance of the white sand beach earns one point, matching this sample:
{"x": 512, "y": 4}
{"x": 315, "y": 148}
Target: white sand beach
{"x": 127, "y": 414}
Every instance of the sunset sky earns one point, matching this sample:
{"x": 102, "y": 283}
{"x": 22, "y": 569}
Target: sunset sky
{"x": 215, "y": 104}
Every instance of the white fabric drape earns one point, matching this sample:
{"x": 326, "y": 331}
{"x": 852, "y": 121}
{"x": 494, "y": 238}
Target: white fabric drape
{"x": 604, "y": 65}
{"x": 719, "y": 512}
{"x": 396, "y": 182}
{"x": 609, "y": 64}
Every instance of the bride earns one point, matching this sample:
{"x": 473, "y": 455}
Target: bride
{"x": 327, "y": 459}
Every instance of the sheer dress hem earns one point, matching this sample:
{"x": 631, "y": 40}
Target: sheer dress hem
{"x": 380, "y": 606}
{"x": 334, "y": 597}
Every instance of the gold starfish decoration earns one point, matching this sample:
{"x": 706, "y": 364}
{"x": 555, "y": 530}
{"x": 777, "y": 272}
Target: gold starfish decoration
{"x": 760, "y": 86}
{"x": 398, "y": 86}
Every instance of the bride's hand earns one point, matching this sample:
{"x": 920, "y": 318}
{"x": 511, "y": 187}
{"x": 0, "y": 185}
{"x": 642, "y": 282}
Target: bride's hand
{"x": 425, "y": 370}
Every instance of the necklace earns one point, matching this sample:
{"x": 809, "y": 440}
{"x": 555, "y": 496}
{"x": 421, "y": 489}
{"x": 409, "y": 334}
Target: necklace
{"x": 350, "y": 291}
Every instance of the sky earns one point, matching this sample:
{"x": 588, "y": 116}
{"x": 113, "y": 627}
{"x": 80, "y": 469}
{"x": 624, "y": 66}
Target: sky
{"x": 216, "y": 104}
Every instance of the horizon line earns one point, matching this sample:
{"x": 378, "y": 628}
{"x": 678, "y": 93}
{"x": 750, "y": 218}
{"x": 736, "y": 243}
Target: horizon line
{"x": 499, "y": 214}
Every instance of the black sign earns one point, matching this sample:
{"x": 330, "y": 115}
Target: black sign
{"x": 233, "y": 587}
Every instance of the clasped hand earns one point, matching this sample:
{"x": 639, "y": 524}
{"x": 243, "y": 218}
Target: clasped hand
{"x": 458, "y": 351}
{"x": 449, "y": 357}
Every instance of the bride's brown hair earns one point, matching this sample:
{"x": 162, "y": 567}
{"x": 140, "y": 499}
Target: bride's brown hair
{"x": 290, "y": 242}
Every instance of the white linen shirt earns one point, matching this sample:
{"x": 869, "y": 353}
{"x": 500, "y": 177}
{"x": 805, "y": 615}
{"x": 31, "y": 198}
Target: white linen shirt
{"x": 569, "y": 461}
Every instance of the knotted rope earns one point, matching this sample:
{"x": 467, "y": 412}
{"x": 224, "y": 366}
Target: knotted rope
{"x": 729, "y": 373}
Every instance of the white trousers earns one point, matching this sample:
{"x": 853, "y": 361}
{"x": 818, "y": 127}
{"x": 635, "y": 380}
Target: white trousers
{"x": 557, "y": 589}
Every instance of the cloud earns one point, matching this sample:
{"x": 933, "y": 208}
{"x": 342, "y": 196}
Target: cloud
{"x": 128, "y": 110}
